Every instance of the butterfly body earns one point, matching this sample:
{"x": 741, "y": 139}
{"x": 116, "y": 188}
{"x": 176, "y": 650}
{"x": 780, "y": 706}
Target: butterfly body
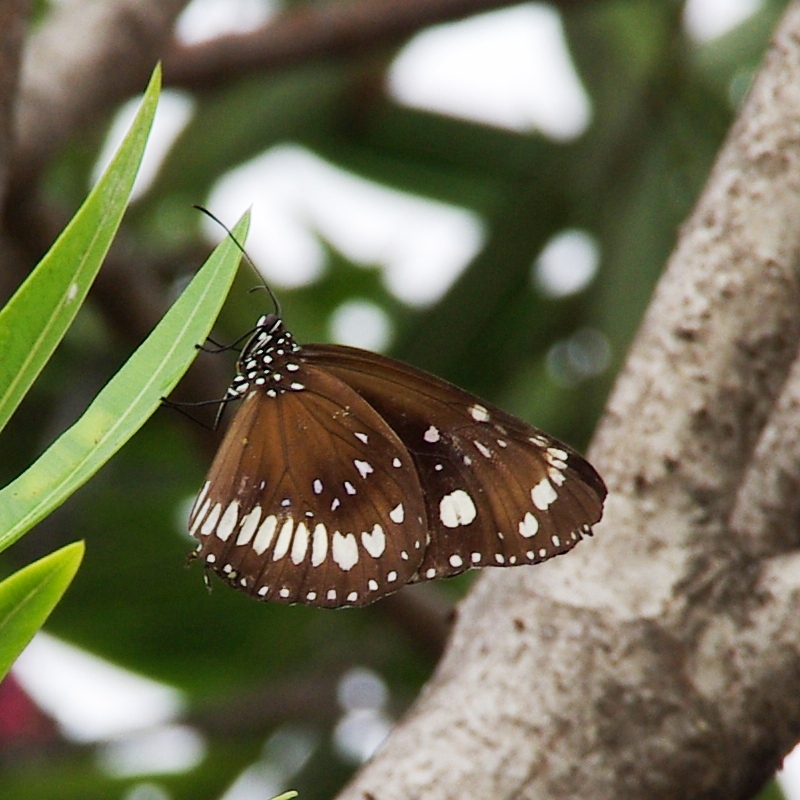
{"x": 345, "y": 475}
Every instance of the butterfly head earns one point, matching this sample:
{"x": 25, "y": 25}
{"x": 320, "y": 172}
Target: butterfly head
{"x": 268, "y": 360}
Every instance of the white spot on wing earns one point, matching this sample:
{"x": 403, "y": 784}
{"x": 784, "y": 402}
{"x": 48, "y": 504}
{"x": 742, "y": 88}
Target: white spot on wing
{"x": 431, "y": 435}
{"x": 543, "y": 494}
{"x": 200, "y": 498}
{"x": 228, "y": 521}
{"x": 396, "y": 462}
{"x": 249, "y": 525}
{"x": 284, "y": 540}
{"x": 529, "y": 526}
{"x": 265, "y": 533}
{"x": 349, "y": 488}
{"x": 364, "y": 467}
{"x": 483, "y": 450}
{"x": 361, "y": 437}
{"x": 200, "y": 516}
{"x": 456, "y": 561}
{"x": 300, "y": 543}
{"x": 556, "y": 476}
{"x": 317, "y": 485}
{"x": 319, "y": 545}
{"x": 375, "y": 542}
{"x": 557, "y": 453}
{"x": 344, "y": 550}
{"x": 479, "y": 413}
{"x": 211, "y": 520}
{"x": 397, "y": 514}
{"x": 457, "y": 509}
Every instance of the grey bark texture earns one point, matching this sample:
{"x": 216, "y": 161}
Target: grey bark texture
{"x": 662, "y": 658}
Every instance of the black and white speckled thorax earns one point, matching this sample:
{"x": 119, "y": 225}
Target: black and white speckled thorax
{"x": 266, "y": 360}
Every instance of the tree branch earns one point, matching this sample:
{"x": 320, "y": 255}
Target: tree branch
{"x": 314, "y": 31}
{"x": 662, "y": 659}
{"x": 64, "y": 87}
{"x": 13, "y": 22}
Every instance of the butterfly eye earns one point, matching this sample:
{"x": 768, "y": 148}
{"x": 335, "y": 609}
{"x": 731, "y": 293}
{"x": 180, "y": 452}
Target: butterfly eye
{"x": 345, "y": 475}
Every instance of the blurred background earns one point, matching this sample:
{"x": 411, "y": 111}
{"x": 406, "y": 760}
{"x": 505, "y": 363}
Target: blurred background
{"x": 486, "y": 190}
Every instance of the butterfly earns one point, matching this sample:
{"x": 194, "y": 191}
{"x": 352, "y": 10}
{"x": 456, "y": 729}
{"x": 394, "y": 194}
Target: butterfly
{"x": 345, "y": 475}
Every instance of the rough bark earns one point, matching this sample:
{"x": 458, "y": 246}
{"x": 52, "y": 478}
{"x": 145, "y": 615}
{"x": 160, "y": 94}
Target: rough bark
{"x": 661, "y": 659}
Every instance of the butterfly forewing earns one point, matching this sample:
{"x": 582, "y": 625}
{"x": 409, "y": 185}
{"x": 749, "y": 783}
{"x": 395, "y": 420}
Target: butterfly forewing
{"x": 497, "y": 491}
{"x": 312, "y": 498}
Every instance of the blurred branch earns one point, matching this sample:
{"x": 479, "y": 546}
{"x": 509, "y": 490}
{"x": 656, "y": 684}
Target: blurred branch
{"x": 314, "y": 31}
{"x": 64, "y": 87}
{"x": 13, "y": 23}
{"x": 662, "y": 659}
{"x": 311, "y": 699}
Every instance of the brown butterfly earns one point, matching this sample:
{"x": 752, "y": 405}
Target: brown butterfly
{"x": 345, "y": 475}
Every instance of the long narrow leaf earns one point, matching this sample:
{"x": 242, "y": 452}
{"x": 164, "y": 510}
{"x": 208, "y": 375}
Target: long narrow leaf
{"x": 126, "y": 402}
{"x": 28, "y": 597}
{"x": 35, "y": 319}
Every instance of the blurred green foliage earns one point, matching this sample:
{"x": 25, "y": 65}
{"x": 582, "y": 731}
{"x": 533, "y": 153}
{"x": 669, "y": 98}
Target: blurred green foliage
{"x": 661, "y": 107}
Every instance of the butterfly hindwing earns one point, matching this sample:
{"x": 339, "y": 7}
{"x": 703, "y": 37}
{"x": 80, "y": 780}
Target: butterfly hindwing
{"x": 497, "y": 491}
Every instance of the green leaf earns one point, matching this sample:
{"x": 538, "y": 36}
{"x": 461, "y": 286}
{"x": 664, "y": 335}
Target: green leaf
{"x": 286, "y": 796}
{"x": 28, "y": 596}
{"x": 126, "y": 402}
{"x": 36, "y": 318}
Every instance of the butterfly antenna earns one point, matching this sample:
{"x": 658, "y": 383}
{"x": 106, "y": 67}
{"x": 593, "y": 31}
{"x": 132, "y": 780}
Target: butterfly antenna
{"x": 244, "y": 253}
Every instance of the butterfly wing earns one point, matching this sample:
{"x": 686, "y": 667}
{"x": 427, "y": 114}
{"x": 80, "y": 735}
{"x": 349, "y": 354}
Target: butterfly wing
{"x": 497, "y": 491}
{"x": 311, "y": 498}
